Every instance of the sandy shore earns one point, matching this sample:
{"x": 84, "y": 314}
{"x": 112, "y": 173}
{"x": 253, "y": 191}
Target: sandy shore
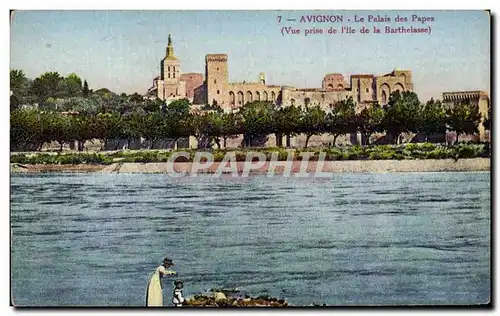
{"x": 311, "y": 167}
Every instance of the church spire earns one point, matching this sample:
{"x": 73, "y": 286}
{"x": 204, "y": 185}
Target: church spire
{"x": 170, "y": 47}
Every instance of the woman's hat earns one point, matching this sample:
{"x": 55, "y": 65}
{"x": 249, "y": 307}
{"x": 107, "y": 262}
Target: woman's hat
{"x": 178, "y": 282}
{"x": 168, "y": 261}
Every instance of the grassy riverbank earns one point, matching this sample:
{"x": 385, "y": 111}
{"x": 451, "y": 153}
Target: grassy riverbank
{"x": 380, "y": 152}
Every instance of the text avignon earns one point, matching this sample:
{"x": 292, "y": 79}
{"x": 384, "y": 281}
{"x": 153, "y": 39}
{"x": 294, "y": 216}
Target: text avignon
{"x": 321, "y": 18}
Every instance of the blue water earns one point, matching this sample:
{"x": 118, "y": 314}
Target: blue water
{"x": 354, "y": 239}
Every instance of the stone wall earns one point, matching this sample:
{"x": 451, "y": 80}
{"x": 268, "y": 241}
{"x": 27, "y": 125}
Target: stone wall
{"x": 239, "y": 94}
{"x": 303, "y": 97}
{"x": 396, "y": 80}
{"x": 192, "y": 81}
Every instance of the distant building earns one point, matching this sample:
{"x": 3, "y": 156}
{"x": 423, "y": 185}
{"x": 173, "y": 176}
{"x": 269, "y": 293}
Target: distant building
{"x": 170, "y": 84}
{"x": 479, "y": 98}
{"x": 215, "y": 88}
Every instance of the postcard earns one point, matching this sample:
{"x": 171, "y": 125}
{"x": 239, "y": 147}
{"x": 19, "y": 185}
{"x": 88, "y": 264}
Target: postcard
{"x": 237, "y": 158}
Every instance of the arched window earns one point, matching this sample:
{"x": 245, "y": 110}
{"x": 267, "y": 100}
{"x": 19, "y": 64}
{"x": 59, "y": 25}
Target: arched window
{"x": 266, "y": 96}
{"x": 240, "y": 98}
{"x": 249, "y": 96}
{"x": 273, "y": 96}
{"x": 218, "y": 92}
{"x": 385, "y": 91}
{"x": 231, "y": 97}
{"x": 399, "y": 87}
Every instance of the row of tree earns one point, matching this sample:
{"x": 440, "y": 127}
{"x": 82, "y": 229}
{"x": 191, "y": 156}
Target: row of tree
{"x": 30, "y": 129}
{"x": 53, "y": 92}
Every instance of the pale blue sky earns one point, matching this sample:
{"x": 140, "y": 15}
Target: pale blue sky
{"x": 121, "y": 50}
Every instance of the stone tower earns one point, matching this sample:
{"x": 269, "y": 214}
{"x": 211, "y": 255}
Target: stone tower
{"x": 217, "y": 81}
{"x": 170, "y": 71}
{"x": 262, "y": 78}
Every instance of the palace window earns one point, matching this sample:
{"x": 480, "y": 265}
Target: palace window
{"x": 215, "y": 81}
{"x": 218, "y": 92}
{"x": 307, "y": 101}
{"x": 367, "y": 90}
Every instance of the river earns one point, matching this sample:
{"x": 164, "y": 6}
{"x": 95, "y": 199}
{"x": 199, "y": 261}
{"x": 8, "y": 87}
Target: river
{"x": 352, "y": 239}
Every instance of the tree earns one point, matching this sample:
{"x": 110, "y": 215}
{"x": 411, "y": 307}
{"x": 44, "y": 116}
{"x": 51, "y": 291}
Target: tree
{"x": 433, "y": 118}
{"x": 179, "y": 108}
{"x": 402, "y": 114}
{"x": 60, "y": 129}
{"x": 83, "y": 129}
{"x": 369, "y": 121}
{"x": 487, "y": 120}
{"x": 286, "y": 121}
{"x": 85, "y": 89}
{"x": 312, "y": 122}
{"x": 72, "y": 85}
{"x": 14, "y": 103}
{"x": 342, "y": 119}
{"x": 197, "y": 124}
{"x": 133, "y": 126}
{"x": 18, "y": 84}
{"x": 256, "y": 119}
{"x": 152, "y": 105}
{"x": 26, "y": 130}
{"x": 221, "y": 125}
{"x": 109, "y": 126}
{"x": 136, "y": 98}
{"x": 49, "y": 84}
{"x": 463, "y": 118}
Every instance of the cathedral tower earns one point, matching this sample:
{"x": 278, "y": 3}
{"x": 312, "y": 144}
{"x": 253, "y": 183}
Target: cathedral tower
{"x": 170, "y": 72}
{"x": 217, "y": 81}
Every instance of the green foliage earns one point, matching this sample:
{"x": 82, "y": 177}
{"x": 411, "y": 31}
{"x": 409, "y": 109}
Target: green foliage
{"x": 463, "y": 118}
{"x": 85, "y": 89}
{"x": 342, "y": 118}
{"x": 369, "y": 121}
{"x": 402, "y": 114}
{"x": 287, "y": 120}
{"x": 487, "y": 120}
{"x": 62, "y": 159}
{"x": 72, "y": 85}
{"x": 433, "y": 118}
{"x": 312, "y": 122}
{"x": 108, "y": 116}
{"x": 256, "y": 118}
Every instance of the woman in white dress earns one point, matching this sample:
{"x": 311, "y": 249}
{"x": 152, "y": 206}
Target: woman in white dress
{"x": 154, "y": 294}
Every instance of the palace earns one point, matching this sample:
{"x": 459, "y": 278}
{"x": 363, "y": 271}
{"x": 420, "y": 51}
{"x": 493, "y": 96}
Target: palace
{"x": 214, "y": 88}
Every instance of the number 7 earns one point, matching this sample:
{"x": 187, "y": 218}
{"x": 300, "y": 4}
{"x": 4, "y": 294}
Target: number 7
{"x": 279, "y": 18}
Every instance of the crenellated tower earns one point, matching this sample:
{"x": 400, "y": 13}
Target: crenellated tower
{"x": 217, "y": 79}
